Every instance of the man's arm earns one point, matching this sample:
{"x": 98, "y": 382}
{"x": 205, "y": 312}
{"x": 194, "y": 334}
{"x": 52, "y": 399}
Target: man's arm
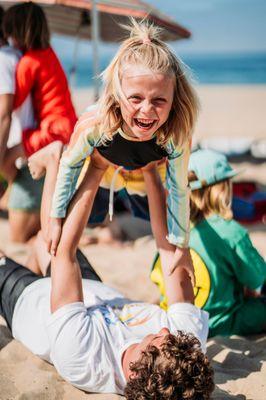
{"x": 178, "y": 284}
{"x": 6, "y": 108}
{"x": 66, "y": 277}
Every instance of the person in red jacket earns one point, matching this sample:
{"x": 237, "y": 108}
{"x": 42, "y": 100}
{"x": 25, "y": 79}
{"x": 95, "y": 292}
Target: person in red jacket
{"x": 39, "y": 74}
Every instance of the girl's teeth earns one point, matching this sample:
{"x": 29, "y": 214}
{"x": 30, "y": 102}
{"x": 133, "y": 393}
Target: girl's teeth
{"x": 144, "y": 123}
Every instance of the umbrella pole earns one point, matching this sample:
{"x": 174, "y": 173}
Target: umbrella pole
{"x": 95, "y": 48}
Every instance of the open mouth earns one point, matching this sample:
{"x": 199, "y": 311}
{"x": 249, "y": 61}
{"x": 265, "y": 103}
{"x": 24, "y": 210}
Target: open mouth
{"x": 144, "y": 123}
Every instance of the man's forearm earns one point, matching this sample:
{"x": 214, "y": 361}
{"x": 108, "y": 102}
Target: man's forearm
{"x": 178, "y": 284}
{"x": 157, "y": 207}
{"x": 66, "y": 278}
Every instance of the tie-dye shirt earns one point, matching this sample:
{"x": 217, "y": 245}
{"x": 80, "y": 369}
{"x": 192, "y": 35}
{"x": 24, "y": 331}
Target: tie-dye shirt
{"x": 173, "y": 171}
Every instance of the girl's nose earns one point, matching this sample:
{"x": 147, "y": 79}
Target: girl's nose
{"x": 146, "y": 106}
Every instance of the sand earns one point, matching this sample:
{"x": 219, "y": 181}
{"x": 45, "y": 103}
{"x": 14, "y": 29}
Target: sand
{"x": 239, "y": 363}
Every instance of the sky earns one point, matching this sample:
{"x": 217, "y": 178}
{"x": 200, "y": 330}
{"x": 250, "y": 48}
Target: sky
{"x": 217, "y": 26}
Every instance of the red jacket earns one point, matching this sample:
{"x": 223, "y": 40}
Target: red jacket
{"x": 40, "y": 73}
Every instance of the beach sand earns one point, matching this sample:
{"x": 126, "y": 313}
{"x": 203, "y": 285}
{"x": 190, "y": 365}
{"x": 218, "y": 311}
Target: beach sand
{"x": 239, "y": 363}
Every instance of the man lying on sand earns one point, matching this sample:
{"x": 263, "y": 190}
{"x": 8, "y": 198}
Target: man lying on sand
{"x": 100, "y": 341}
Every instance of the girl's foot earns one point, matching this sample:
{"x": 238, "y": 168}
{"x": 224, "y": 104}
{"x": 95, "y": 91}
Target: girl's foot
{"x": 38, "y": 161}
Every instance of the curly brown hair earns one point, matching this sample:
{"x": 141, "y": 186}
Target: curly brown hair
{"x": 177, "y": 370}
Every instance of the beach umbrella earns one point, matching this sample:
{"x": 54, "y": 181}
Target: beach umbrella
{"x": 99, "y": 20}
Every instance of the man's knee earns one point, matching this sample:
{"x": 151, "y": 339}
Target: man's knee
{"x": 23, "y": 226}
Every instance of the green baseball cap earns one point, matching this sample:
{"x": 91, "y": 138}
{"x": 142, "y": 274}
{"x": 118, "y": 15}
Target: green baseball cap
{"x": 210, "y": 167}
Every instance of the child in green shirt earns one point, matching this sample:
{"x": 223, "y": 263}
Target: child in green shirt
{"x": 229, "y": 271}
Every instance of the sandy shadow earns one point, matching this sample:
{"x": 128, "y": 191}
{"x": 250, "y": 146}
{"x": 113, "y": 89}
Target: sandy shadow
{"x": 220, "y": 394}
{"x": 235, "y": 358}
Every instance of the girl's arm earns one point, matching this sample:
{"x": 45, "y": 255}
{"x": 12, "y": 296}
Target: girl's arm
{"x": 178, "y": 212}
{"x": 26, "y": 72}
{"x": 81, "y": 146}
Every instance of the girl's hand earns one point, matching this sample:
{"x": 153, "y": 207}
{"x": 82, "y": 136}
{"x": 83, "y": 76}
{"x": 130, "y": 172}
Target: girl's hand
{"x": 182, "y": 258}
{"x": 54, "y": 235}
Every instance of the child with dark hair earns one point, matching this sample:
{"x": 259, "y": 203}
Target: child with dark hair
{"x": 38, "y": 80}
{"x": 39, "y": 72}
{"x": 229, "y": 270}
{"x": 24, "y": 217}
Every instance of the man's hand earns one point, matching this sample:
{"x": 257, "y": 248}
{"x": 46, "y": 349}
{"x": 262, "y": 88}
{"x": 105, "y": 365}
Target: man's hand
{"x": 182, "y": 258}
{"x": 53, "y": 235}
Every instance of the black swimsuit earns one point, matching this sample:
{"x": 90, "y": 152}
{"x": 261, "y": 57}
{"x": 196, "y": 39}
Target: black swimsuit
{"x": 131, "y": 154}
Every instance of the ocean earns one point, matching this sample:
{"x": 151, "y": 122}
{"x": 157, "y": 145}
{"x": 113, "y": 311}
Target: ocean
{"x": 220, "y": 69}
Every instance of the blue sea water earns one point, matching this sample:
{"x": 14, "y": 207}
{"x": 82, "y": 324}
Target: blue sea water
{"x": 249, "y": 68}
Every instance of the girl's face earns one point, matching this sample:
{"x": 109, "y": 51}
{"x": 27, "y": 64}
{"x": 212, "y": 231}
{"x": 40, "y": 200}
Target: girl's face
{"x": 146, "y": 101}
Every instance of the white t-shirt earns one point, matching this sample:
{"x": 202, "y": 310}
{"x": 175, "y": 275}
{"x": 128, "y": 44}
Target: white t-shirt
{"x": 86, "y": 341}
{"x": 23, "y": 116}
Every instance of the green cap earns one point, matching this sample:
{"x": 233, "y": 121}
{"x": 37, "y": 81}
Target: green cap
{"x": 210, "y": 167}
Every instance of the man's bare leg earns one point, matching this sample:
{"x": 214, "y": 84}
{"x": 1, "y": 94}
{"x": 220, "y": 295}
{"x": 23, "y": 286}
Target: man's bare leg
{"x": 47, "y": 160}
{"x": 23, "y": 225}
{"x": 39, "y": 258}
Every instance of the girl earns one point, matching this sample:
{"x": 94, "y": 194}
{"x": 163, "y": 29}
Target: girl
{"x": 228, "y": 268}
{"x": 142, "y": 124}
{"x": 39, "y": 72}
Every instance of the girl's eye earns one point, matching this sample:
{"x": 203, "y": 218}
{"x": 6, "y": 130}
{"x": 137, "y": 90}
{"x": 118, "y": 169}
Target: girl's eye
{"x": 135, "y": 99}
{"x": 159, "y": 101}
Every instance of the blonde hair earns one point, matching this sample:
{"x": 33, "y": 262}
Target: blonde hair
{"x": 144, "y": 48}
{"x": 214, "y": 199}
